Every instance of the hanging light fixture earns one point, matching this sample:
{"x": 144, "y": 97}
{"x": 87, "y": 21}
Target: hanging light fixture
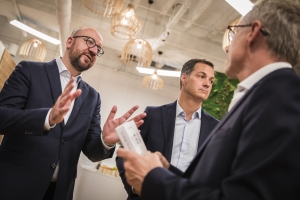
{"x": 138, "y": 52}
{"x": 33, "y": 49}
{"x": 153, "y": 82}
{"x": 125, "y": 25}
{"x": 107, "y": 8}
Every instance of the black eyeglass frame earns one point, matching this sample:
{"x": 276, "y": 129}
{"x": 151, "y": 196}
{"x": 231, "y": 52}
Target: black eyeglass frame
{"x": 100, "y": 51}
{"x": 230, "y": 38}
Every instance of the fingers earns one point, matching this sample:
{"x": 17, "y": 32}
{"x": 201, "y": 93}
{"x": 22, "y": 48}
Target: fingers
{"x": 112, "y": 113}
{"x": 163, "y": 160}
{"x": 139, "y": 123}
{"x": 63, "y": 103}
{"x": 138, "y": 119}
{"x": 123, "y": 153}
{"x": 130, "y": 112}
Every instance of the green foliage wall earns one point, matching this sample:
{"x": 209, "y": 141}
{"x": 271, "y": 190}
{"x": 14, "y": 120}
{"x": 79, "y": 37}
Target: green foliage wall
{"x": 220, "y": 95}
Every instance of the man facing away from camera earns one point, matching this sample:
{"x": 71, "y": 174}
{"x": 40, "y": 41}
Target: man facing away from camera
{"x": 253, "y": 153}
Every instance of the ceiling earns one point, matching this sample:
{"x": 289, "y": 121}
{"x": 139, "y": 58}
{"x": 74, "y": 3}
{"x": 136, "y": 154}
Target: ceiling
{"x": 195, "y": 32}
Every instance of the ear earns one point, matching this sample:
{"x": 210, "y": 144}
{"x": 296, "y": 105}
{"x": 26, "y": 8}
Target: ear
{"x": 69, "y": 42}
{"x": 255, "y": 32}
{"x": 183, "y": 79}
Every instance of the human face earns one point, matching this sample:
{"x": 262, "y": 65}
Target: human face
{"x": 82, "y": 57}
{"x": 199, "y": 83}
{"x": 236, "y": 52}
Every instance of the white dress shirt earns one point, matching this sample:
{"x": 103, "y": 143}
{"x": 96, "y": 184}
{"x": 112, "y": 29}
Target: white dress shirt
{"x": 246, "y": 84}
{"x": 186, "y": 137}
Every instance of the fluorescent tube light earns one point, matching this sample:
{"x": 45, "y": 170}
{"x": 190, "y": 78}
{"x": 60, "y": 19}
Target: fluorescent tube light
{"x": 160, "y": 72}
{"x": 144, "y": 70}
{"x": 242, "y": 6}
{"x": 34, "y": 32}
{"x": 168, "y": 73}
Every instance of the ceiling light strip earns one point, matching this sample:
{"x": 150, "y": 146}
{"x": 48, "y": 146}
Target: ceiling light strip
{"x": 160, "y": 72}
{"x": 34, "y": 32}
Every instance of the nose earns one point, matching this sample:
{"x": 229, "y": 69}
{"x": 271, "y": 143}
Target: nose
{"x": 206, "y": 83}
{"x": 93, "y": 50}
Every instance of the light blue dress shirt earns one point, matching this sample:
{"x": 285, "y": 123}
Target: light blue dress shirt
{"x": 186, "y": 137}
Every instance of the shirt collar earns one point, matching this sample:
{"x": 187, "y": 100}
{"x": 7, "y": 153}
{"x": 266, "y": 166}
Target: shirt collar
{"x": 259, "y": 74}
{"x": 63, "y": 71}
{"x": 180, "y": 111}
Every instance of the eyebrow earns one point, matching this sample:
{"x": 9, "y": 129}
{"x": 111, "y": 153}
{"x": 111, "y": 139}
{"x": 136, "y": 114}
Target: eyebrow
{"x": 206, "y": 74}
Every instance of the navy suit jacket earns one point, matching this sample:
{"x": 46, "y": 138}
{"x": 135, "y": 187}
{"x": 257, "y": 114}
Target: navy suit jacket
{"x": 28, "y": 154}
{"x": 158, "y": 133}
{"x": 253, "y": 153}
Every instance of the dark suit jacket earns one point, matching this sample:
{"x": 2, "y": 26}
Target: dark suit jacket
{"x": 253, "y": 153}
{"x": 28, "y": 154}
{"x": 158, "y": 133}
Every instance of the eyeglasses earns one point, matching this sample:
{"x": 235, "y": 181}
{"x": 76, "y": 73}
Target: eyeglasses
{"x": 231, "y": 32}
{"x": 90, "y": 42}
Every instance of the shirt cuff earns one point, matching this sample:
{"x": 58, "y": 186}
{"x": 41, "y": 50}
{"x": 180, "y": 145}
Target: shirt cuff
{"x": 46, "y": 124}
{"x": 107, "y": 147}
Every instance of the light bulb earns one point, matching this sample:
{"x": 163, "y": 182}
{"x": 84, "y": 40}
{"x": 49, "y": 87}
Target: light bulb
{"x": 139, "y": 46}
{"x": 128, "y": 14}
{"x": 124, "y": 21}
{"x": 154, "y": 76}
{"x": 35, "y": 44}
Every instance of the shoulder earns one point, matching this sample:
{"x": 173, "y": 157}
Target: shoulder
{"x": 209, "y": 117}
{"x": 157, "y": 108}
{"x": 33, "y": 67}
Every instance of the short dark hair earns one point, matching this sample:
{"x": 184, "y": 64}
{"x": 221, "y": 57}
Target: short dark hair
{"x": 188, "y": 67}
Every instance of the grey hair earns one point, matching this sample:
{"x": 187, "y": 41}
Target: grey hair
{"x": 281, "y": 19}
{"x": 188, "y": 67}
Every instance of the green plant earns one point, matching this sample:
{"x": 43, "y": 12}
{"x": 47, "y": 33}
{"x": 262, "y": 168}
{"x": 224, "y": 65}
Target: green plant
{"x": 220, "y": 95}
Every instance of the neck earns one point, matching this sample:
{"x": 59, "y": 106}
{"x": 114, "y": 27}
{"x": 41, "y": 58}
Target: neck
{"x": 65, "y": 59}
{"x": 255, "y": 62}
{"x": 189, "y": 105}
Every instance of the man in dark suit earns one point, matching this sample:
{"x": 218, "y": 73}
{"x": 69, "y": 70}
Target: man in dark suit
{"x": 45, "y": 129}
{"x": 253, "y": 153}
{"x": 178, "y": 129}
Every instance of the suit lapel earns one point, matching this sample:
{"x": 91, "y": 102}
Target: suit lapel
{"x": 204, "y": 128}
{"x": 54, "y": 79}
{"x": 168, "y": 118}
{"x": 78, "y": 101}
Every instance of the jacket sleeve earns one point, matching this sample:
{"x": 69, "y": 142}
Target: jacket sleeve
{"x": 93, "y": 147}
{"x": 15, "y": 118}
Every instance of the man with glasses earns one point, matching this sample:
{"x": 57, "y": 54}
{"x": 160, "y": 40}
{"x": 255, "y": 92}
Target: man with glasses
{"x": 253, "y": 153}
{"x": 48, "y": 115}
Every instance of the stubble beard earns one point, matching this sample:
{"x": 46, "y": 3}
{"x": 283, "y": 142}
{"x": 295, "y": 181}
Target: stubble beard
{"x": 76, "y": 62}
